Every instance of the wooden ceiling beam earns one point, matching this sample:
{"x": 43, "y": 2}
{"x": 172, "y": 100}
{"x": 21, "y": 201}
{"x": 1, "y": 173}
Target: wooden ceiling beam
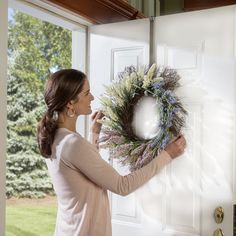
{"x": 101, "y": 11}
{"x": 191, "y": 5}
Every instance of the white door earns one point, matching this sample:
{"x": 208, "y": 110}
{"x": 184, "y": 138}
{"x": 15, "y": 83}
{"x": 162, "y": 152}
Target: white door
{"x": 201, "y": 45}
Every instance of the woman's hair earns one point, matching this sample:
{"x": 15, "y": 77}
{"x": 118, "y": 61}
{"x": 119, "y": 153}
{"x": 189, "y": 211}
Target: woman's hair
{"x": 61, "y": 87}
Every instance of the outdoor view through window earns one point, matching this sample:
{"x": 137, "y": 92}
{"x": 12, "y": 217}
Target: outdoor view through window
{"x": 35, "y": 49}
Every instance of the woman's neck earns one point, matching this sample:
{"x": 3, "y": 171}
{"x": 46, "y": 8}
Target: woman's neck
{"x": 71, "y": 128}
{"x": 67, "y": 123}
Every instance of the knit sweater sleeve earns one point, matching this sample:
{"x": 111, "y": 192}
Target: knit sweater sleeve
{"x": 84, "y": 157}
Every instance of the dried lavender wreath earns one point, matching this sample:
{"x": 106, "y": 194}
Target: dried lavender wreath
{"x": 118, "y": 104}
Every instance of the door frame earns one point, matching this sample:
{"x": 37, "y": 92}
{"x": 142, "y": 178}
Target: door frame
{"x": 3, "y": 104}
{"x": 234, "y": 151}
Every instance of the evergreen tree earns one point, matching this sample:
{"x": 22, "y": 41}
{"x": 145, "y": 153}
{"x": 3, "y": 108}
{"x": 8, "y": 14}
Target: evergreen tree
{"x": 35, "y": 48}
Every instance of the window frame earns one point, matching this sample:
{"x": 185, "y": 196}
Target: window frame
{"x": 54, "y": 15}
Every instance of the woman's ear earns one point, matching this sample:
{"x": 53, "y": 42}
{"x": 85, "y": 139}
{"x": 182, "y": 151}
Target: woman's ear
{"x": 69, "y": 105}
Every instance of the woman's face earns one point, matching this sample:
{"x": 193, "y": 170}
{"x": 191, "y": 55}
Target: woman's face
{"x": 83, "y": 105}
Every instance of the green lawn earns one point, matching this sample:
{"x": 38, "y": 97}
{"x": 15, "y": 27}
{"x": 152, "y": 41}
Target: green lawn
{"x": 32, "y": 220}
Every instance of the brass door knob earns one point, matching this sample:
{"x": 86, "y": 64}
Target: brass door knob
{"x": 219, "y": 215}
{"x": 218, "y": 232}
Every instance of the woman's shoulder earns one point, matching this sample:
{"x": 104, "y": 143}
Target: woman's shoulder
{"x": 72, "y": 143}
{"x": 71, "y": 139}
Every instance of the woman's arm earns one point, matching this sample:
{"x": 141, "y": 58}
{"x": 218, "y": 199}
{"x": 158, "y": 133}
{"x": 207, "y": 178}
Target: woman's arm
{"x": 84, "y": 157}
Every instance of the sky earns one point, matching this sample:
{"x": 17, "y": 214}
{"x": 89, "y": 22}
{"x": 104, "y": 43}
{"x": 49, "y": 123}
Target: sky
{"x": 10, "y": 13}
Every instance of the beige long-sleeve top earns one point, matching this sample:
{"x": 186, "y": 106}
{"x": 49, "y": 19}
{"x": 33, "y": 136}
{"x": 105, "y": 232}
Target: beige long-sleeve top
{"x": 81, "y": 179}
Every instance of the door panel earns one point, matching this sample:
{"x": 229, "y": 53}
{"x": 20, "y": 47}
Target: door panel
{"x": 112, "y": 48}
{"x": 201, "y": 46}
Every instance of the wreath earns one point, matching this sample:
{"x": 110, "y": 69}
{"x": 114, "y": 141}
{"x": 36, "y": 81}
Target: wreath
{"x": 118, "y": 103}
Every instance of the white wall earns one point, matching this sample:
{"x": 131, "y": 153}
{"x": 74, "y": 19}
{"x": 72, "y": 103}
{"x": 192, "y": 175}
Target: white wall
{"x": 3, "y": 106}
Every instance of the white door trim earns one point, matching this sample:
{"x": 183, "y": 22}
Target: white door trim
{"x": 3, "y": 104}
{"x": 234, "y": 150}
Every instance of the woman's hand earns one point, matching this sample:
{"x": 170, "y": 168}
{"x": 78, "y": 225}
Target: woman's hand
{"x": 176, "y": 147}
{"x": 96, "y": 126}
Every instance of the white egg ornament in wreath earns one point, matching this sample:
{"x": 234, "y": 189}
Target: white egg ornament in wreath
{"x": 142, "y": 114}
{"x": 146, "y": 118}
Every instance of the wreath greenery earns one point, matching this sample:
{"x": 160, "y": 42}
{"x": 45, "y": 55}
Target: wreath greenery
{"x": 118, "y": 104}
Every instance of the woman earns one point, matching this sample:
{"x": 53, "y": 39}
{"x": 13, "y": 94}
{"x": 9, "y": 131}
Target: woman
{"x": 80, "y": 176}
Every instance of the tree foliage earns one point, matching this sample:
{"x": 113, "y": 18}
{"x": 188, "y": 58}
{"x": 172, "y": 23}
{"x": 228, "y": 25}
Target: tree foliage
{"x": 35, "y": 49}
